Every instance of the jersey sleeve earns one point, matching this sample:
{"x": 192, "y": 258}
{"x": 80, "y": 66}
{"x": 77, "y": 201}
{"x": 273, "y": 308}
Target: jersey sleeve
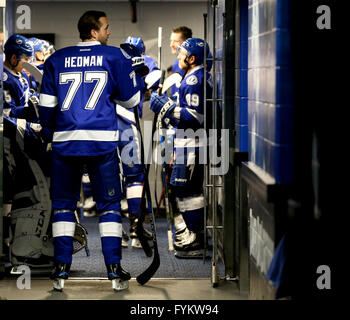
{"x": 48, "y": 100}
{"x": 191, "y": 103}
{"x": 11, "y": 107}
{"x": 128, "y": 95}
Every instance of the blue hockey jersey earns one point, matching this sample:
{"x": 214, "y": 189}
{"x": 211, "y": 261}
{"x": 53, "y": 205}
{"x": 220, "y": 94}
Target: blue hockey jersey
{"x": 81, "y": 85}
{"x": 16, "y": 93}
{"x": 190, "y": 108}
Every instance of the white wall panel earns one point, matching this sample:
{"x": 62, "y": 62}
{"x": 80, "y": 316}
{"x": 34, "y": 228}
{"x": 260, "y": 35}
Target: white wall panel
{"x": 61, "y": 19}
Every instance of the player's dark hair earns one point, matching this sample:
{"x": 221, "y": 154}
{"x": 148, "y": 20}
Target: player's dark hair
{"x": 89, "y": 21}
{"x": 186, "y": 32}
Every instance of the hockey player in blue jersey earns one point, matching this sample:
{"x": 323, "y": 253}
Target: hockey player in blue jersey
{"x": 19, "y": 101}
{"x": 133, "y": 172}
{"x": 187, "y": 113}
{"x": 81, "y": 85}
{"x": 138, "y": 43}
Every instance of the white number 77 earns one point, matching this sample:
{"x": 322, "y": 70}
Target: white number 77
{"x": 76, "y": 79}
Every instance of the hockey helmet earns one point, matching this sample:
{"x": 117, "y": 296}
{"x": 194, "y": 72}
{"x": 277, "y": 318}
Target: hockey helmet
{"x": 48, "y": 48}
{"x": 137, "y": 42}
{"x": 37, "y": 44}
{"x": 138, "y": 62}
{"x": 18, "y": 45}
{"x": 195, "y": 47}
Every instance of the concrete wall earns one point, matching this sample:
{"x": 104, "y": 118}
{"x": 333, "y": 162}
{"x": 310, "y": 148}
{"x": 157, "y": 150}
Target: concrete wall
{"x": 61, "y": 19}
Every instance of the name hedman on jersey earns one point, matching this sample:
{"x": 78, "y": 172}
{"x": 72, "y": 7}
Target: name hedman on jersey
{"x": 86, "y": 61}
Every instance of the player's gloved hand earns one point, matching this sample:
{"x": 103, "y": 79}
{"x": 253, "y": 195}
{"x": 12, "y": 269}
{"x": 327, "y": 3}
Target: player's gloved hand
{"x": 161, "y": 105}
{"x": 140, "y": 66}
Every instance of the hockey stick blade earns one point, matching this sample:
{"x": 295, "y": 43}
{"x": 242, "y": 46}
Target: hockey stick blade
{"x": 153, "y": 267}
{"x": 174, "y": 78}
{"x": 34, "y": 71}
{"x": 151, "y": 270}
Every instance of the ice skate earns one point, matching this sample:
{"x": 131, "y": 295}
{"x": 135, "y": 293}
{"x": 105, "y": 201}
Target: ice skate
{"x": 185, "y": 237}
{"x": 181, "y": 230}
{"x": 135, "y": 242}
{"x": 59, "y": 274}
{"x": 118, "y": 276}
{"x": 89, "y": 203}
{"x": 191, "y": 247}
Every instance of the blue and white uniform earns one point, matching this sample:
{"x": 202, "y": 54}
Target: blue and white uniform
{"x": 16, "y": 93}
{"x": 81, "y": 86}
{"x": 187, "y": 173}
{"x": 130, "y": 148}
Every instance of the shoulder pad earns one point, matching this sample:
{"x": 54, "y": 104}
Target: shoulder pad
{"x": 192, "y": 80}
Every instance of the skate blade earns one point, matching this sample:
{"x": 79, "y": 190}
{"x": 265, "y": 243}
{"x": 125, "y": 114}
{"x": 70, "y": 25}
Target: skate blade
{"x": 196, "y": 254}
{"x": 118, "y": 284}
{"x": 58, "y": 285}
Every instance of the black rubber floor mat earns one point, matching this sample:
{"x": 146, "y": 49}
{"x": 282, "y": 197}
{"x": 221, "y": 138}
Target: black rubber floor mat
{"x": 135, "y": 260}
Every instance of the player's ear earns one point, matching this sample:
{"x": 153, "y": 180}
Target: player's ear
{"x": 192, "y": 59}
{"x": 93, "y": 33}
{"x": 13, "y": 59}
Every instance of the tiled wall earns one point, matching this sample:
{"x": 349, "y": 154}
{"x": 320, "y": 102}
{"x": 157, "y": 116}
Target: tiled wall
{"x": 269, "y": 88}
{"x": 241, "y": 74}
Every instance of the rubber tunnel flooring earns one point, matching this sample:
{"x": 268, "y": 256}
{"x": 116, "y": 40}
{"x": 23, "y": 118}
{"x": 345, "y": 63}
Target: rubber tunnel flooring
{"x": 135, "y": 260}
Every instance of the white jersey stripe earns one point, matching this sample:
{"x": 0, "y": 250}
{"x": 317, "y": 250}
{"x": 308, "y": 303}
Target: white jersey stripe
{"x": 199, "y": 117}
{"x": 86, "y": 135}
{"x": 125, "y": 113}
{"x": 190, "y": 203}
{"x": 132, "y": 102}
{"x": 46, "y": 100}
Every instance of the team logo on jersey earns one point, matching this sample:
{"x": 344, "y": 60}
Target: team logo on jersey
{"x": 111, "y": 192}
{"x": 5, "y": 76}
{"x": 191, "y": 80}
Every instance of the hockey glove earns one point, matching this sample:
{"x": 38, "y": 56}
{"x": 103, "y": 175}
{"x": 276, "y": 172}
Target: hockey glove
{"x": 161, "y": 105}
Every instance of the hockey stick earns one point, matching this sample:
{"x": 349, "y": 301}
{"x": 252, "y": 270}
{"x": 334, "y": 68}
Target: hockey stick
{"x": 153, "y": 267}
{"x": 150, "y": 271}
{"x": 139, "y": 227}
{"x": 160, "y": 48}
{"x": 154, "y": 76}
{"x": 174, "y": 78}
{"x": 34, "y": 71}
